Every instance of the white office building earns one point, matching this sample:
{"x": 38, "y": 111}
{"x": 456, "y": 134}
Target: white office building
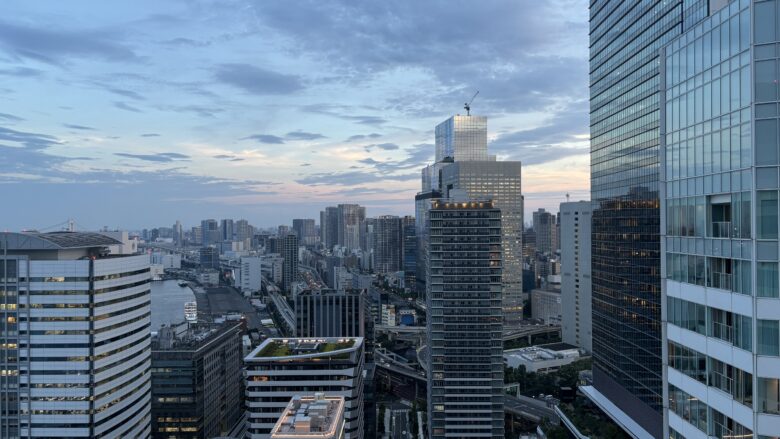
{"x": 76, "y": 337}
{"x": 251, "y": 274}
{"x": 576, "y": 281}
{"x": 281, "y": 368}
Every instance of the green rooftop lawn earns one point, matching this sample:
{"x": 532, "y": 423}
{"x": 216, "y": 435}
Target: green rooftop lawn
{"x": 278, "y": 349}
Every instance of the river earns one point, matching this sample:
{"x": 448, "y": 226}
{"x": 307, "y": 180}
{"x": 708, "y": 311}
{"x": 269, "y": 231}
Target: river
{"x": 168, "y": 300}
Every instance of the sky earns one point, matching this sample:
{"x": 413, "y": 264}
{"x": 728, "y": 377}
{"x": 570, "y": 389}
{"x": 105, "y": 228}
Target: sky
{"x": 132, "y": 114}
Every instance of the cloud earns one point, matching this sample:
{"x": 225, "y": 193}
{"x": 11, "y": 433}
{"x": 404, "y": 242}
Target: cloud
{"x": 363, "y": 137}
{"x": 351, "y": 178}
{"x": 78, "y": 127}
{"x": 302, "y": 135}
{"x": 265, "y": 138}
{"x": 10, "y": 117}
{"x": 345, "y": 113}
{"x": 416, "y": 158}
{"x": 305, "y": 164}
{"x": 126, "y": 93}
{"x": 163, "y": 157}
{"x": 52, "y": 44}
{"x": 150, "y": 135}
{"x": 30, "y": 140}
{"x": 127, "y": 107}
{"x": 21, "y": 72}
{"x": 384, "y": 146}
{"x": 257, "y": 81}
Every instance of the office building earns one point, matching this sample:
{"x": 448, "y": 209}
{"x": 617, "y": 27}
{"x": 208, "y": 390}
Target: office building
{"x": 466, "y": 370}
{"x": 423, "y": 202}
{"x": 409, "y": 256}
{"x": 316, "y": 417}
{"x": 546, "y": 306}
{"x": 544, "y": 229}
{"x": 209, "y": 257}
{"x": 575, "y": 274}
{"x": 288, "y": 248}
{"x": 625, "y": 239}
{"x": 196, "y": 380}
{"x": 280, "y": 368}
{"x": 387, "y": 244}
{"x": 251, "y": 277}
{"x": 306, "y": 231}
{"x": 543, "y": 358}
{"x": 462, "y": 138}
{"x": 210, "y": 234}
{"x": 329, "y": 227}
{"x": 273, "y": 268}
{"x": 76, "y": 337}
{"x": 719, "y": 160}
{"x": 329, "y": 313}
{"x": 178, "y": 234}
{"x": 500, "y": 182}
{"x": 227, "y": 230}
{"x": 350, "y": 218}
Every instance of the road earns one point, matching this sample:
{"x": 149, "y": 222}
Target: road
{"x": 400, "y": 426}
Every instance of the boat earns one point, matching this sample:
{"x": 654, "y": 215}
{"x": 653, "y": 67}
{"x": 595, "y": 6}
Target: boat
{"x": 191, "y": 311}
{"x": 183, "y": 283}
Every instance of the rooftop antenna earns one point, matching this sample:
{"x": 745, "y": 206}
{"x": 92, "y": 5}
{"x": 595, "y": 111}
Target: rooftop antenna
{"x": 467, "y": 105}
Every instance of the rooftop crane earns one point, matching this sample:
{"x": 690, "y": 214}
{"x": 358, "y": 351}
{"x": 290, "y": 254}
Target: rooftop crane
{"x": 467, "y": 105}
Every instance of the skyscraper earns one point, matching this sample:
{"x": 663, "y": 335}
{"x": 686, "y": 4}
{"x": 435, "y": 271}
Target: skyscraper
{"x": 76, "y": 337}
{"x": 289, "y": 250}
{"x": 576, "y": 274}
{"x": 227, "y": 230}
{"x": 307, "y": 234}
{"x": 462, "y": 138}
{"x": 350, "y": 218}
{"x": 387, "y": 244}
{"x": 209, "y": 230}
{"x": 466, "y": 370}
{"x": 544, "y": 228}
{"x": 178, "y": 233}
{"x": 329, "y": 314}
{"x": 409, "y": 232}
{"x": 329, "y": 227}
{"x": 625, "y": 39}
{"x": 721, "y": 300}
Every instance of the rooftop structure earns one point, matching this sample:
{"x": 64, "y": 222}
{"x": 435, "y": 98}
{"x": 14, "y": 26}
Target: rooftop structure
{"x": 296, "y": 347}
{"x": 317, "y": 416}
{"x": 544, "y": 358}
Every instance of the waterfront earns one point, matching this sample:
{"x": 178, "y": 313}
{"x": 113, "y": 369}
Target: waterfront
{"x": 168, "y": 300}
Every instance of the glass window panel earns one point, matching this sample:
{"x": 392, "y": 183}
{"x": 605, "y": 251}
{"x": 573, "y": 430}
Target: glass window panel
{"x": 765, "y": 85}
{"x": 768, "y": 337}
{"x": 766, "y": 220}
{"x": 745, "y": 146}
{"x": 764, "y": 31}
{"x": 767, "y": 279}
{"x": 744, "y": 87}
{"x": 766, "y": 142}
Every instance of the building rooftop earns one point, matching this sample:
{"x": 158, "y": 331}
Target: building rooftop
{"x": 544, "y": 352}
{"x": 317, "y": 416}
{"x": 190, "y": 336}
{"x": 54, "y": 240}
{"x": 303, "y": 347}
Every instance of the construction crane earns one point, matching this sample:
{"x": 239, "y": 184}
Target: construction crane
{"x": 467, "y": 105}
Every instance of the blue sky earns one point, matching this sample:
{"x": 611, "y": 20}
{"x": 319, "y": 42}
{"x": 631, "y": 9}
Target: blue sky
{"x": 136, "y": 114}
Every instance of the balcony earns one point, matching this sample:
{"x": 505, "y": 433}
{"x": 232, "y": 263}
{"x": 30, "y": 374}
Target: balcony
{"x": 721, "y": 229}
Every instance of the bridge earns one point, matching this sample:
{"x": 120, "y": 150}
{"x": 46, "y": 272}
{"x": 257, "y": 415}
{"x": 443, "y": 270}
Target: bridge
{"x": 522, "y": 332}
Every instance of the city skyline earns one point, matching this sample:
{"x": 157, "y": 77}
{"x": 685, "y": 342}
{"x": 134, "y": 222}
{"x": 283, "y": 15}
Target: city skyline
{"x": 198, "y": 110}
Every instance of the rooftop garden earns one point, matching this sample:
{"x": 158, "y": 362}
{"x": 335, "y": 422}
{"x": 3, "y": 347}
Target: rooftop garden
{"x": 280, "y": 348}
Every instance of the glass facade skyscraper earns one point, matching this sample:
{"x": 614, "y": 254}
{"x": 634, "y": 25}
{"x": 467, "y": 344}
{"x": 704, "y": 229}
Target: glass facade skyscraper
{"x": 720, "y": 153}
{"x": 466, "y": 371}
{"x": 625, "y": 39}
{"x": 462, "y": 138}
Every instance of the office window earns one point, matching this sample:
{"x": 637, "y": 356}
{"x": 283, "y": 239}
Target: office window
{"x": 767, "y": 279}
{"x": 767, "y": 214}
{"x": 768, "y": 337}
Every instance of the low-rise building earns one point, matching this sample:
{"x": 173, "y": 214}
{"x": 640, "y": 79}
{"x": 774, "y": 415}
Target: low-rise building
{"x": 315, "y": 417}
{"x": 281, "y": 368}
{"x": 543, "y": 358}
{"x": 546, "y": 306}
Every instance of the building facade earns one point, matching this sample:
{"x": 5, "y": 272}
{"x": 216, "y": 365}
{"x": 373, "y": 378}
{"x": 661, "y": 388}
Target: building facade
{"x": 409, "y": 256}
{"x": 350, "y": 218}
{"x": 76, "y": 338}
{"x": 720, "y": 224}
{"x": 388, "y": 244}
{"x": 306, "y": 231}
{"x": 279, "y": 369}
{"x": 329, "y": 227}
{"x": 462, "y": 138}
{"x": 466, "y": 371}
{"x": 576, "y": 274}
{"x": 546, "y": 306}
{"x": 625, "y": 244}
{"x": 330, "y": 314}
{"x": 289, "y": 250}
{"x": 209, "y": 230}
{"x": 544, "y": 228}
{"x": 196, "y": 381}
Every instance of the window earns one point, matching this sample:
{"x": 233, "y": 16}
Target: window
{"x": 766, "y": 142}
{"x": 767, "y": 279}
{"x": 767, "y": 214}
{"x": 768, "y": 337}
{"x": 769, "y": 395}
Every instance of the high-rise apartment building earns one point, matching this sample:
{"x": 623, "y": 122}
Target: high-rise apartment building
{"x": 388, "y": 244}
{"x": 423, "y": 202}
{"x": 350, "y": 218}
{"x": 576, "y": 274}
{"x": 178, "y": 234}
{"x": 209, "y": 230}
{"x": 279, "y": 369}
{"x": 330, "y": 313}
{"x": 76, "y": 347}
{"x": 720, "y": 161}
{"x": 306, "y": 231}
{"x": 625, "y": 40}
{"x": 466, "y": 370}
{"x": 196, "y": 381}
{"x": 288, "y": 248}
